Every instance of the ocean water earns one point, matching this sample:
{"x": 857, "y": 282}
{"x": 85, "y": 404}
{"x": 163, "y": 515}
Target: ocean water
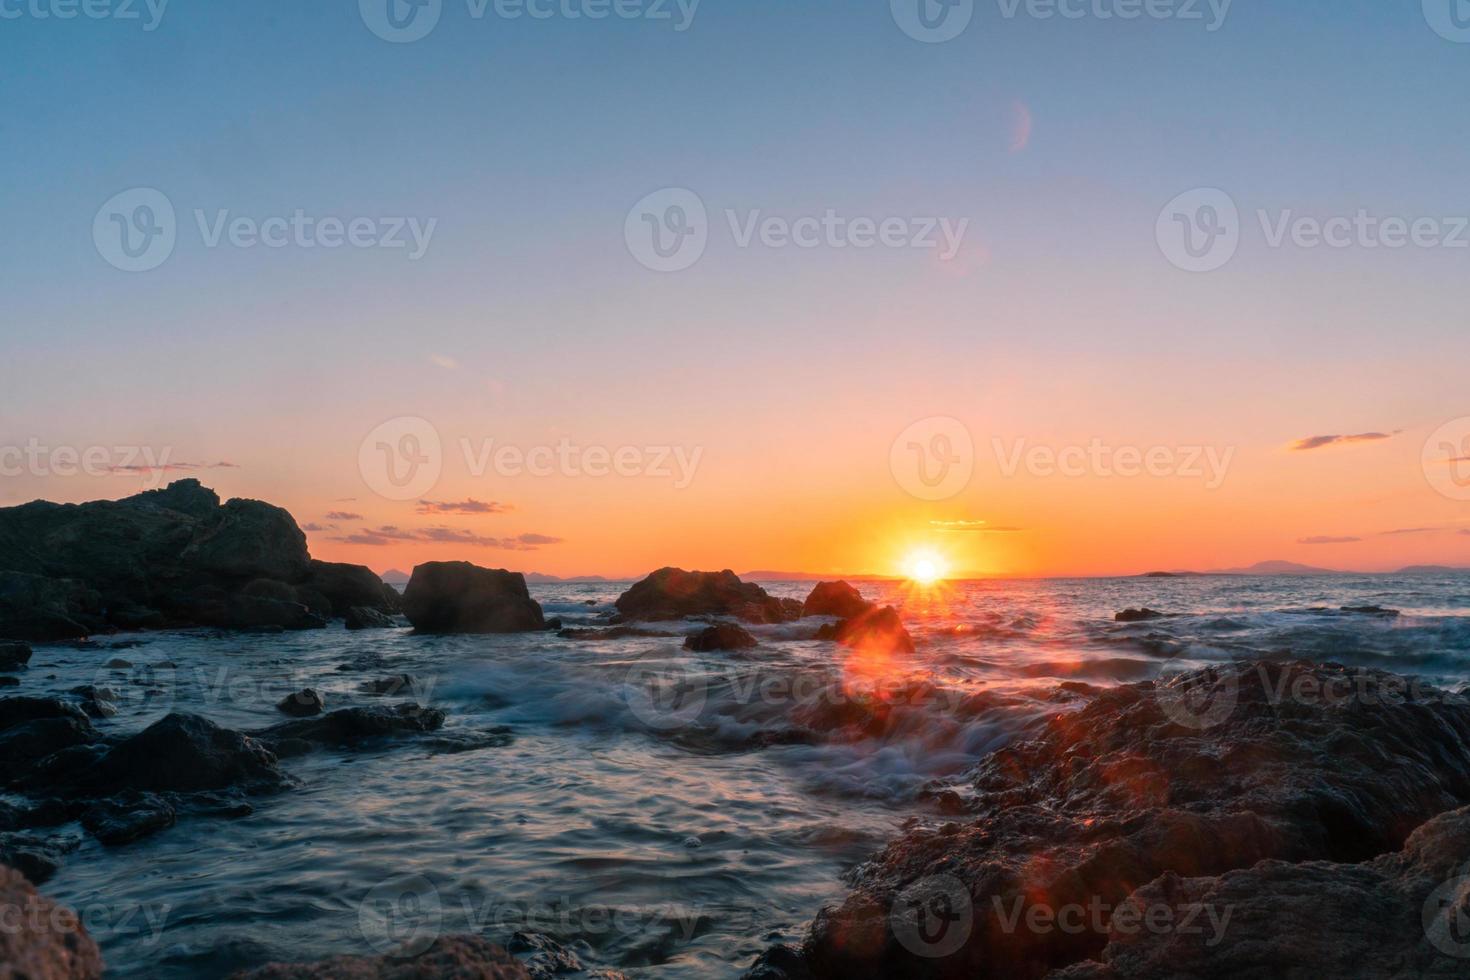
{"x": 657, "y": 813}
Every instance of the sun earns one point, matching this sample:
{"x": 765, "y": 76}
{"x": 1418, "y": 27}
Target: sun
{"x": 924, "y": 568}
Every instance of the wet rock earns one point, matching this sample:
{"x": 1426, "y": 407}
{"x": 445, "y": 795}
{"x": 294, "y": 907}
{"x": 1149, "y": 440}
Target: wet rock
{"x": 187, "y": 753}
{"x": 782, "y": 962}
{"x": 247, "y": 540}
{"x": 302, "y": 704}
{"x": 398, "y": 685}
{"x": 1396, "y": 916}
{"x": 457, "y": 597}
{"x": 347, "y": 726}
{"x": 118, "y": 663}
{"x": 246, "y": 612}
{"x": 47, "y": 941}
{"x": 46, "y": 610}
{"x": 7, "y": 681}
{"x": 466, "y": 957}
{"x": 1201, "y": 775}
{"x": 97, "y": 702}
{"x": 19, "y": 710}
{"x": 672, "y": 593}
{"x": 23, "y": 746}
{"x": 1379, "y": 611}
{"x": 128, "y": 818}
{"x": 348, "y": 586}
{"x": 38, "y": 858}
{"x": 544, "y": 956}
{"x": 470, "y": 741}
{"x": 835, "y": 599}
{"x": 363, "y": 618}
{"x": 1137, "y": 616}
{"x": 14, "y": 656}
{"x": 875, "y": 631}
{"x": 722, "y": 636}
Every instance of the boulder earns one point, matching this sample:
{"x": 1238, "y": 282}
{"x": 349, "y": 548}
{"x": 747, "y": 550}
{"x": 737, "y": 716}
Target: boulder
{"x": 1137, "y": 616}
{"x": 672, "y": 593}
{"x": 364, "y": 618}
{"x": 44, "y": 941}
{"x": 835, "y": 599}
{"x": 268, "y": 588}
{"x": 127, "y": 818}
{"x": 46, "y": 610}
{"x": 878, "y": 630}
{"x": 346, "y": 586}
{"x": 1399, "y": 915}
{"x": 247, "y": 540}
{"x": 457, "y": 597}
{"x": 14, "y": 656}
{"x": 303, "y": 704}
{"x": 1203, "y": 774}
{"x": 459, "y": 957}
{"x": 188, "y": 753}
{"x": 723, "y": 636}
{"x": 347, "y": 726}
{"x": 24, "y": 746}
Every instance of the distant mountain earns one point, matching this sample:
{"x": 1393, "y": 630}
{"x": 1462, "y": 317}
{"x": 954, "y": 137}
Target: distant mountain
{"x": 395, "y": 578}
{"x": 1430, "y": 570}
{"x": 1278, "y": 568}
{"x": 537, "y": 578}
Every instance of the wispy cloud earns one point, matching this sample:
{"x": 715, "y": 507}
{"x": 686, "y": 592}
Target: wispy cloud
{"x": 1317, "y": 442}
{"x": 343, "y": 515}
{"x": 462, "y": 507}
{"x": 170, "y": 467}
{"x": 976, "y": 527}
{"x": 389, "y": 534}
{"x": 1412, "y": 530}
{"x": 314, "y": 527}
{"x": 447, "y": 363}
{"x": 1327, "y": 539}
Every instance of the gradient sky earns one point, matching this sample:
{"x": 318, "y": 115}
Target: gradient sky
{"x": 793, "y": 371}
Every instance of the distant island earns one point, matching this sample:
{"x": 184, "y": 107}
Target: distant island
{"x": 1291, "y": 568}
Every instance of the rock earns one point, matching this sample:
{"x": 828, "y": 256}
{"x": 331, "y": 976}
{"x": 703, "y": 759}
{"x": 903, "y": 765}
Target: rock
{"x": 347, "y": 726}
{"x": 37, "y": 858}
{"x": 723, "y": 636}
{"x": 875, "y": 631}
{"x": 45, "y": 941}
{"x": 46, "y": 610}
{"x": 7, "y": 681}
{"x": 128, "y": 818}
{"x": 118, "y": 663}
{"x": 1137, "y": 616}
{"x": 24, "y": 746}
{"x": 19, "y": 710}
{"x": 14, "y": 656}
{"x": 265, "y": 588}
{"x": 1145, "y": 781}
{"x": 544, "y": 956}
{"x": 188, "y": 753}
{"x": 363, "y": 618}
{"x": 458, "y": 957}
{"x": 244, "y": 612}
{"x": 672, "y": 593}
{"x": 346, "y": 586}
{"x": 1398, "y": 915}
{"x": 302, "y": 704}
{"x": 835, "y": 599}
{"x": 780, "y": 962}
{"x": 612, "y": 633}
{"x": 249, "y": 539}
{"x": 391, "y": 686}
{"x": 1373, "y": 611}
{"x": 457, "y": 597}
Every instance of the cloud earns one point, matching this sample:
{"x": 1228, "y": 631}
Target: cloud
{"x": 974, "y": 527}
{"x": 318, "y": 527}
{"x": 447, "y": 363}
{"x": 171, "y": 468}
{"x": 388, "y": 534}
{"x": 343, "y": 515}
{"x": 1317, "y": 442}
{"x": 1326, "y": 539}
{"x": 345, "y": 500}
{"x": 1465, "y": 530}
{"x": 1413, "y": 530}
{"x": 471, "y": 506}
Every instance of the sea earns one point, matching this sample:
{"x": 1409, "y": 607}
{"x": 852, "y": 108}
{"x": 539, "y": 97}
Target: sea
{"x": 644, "y": 811}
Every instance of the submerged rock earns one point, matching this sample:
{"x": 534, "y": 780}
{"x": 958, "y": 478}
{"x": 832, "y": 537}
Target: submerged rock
{"x": 459, "y": 957}
{"x": 458, "y": 597}
{"x": 350, "y": 725}
{"x": 879, "y": 630}
{"x": 722, "y": 636}
{"x": 189, "y": 753}
{"x": 1204, "y": 774}
{"x": 835, "y": 599}
{"x": 14, "y": 656}
{"x": 42, "y": 941}
{"x": 363, "y": 618}
{"x": 672, "y": 593}
{"x": 302, "y": 704}
{"x": 1137, "y": 616}
{"x": 128, "y": 818}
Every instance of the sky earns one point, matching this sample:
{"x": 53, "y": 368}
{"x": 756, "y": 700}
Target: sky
{"x": 772, "y": 384}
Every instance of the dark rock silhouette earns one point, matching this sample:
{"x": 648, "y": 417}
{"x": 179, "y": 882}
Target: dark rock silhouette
{"x": 457, "y": 597}
{"x": 14, "y": 656}
{"x": 835, "y": 599}
{"x": 878, "y": 630}
{"x": 722, "y": 636}
{"x": 363, "y": 618}
{"x": 303, "y": 704}
{"x": 672, "y": 593}
{"x": 1137, "y": 616}
{"x": 348, "y": 726}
